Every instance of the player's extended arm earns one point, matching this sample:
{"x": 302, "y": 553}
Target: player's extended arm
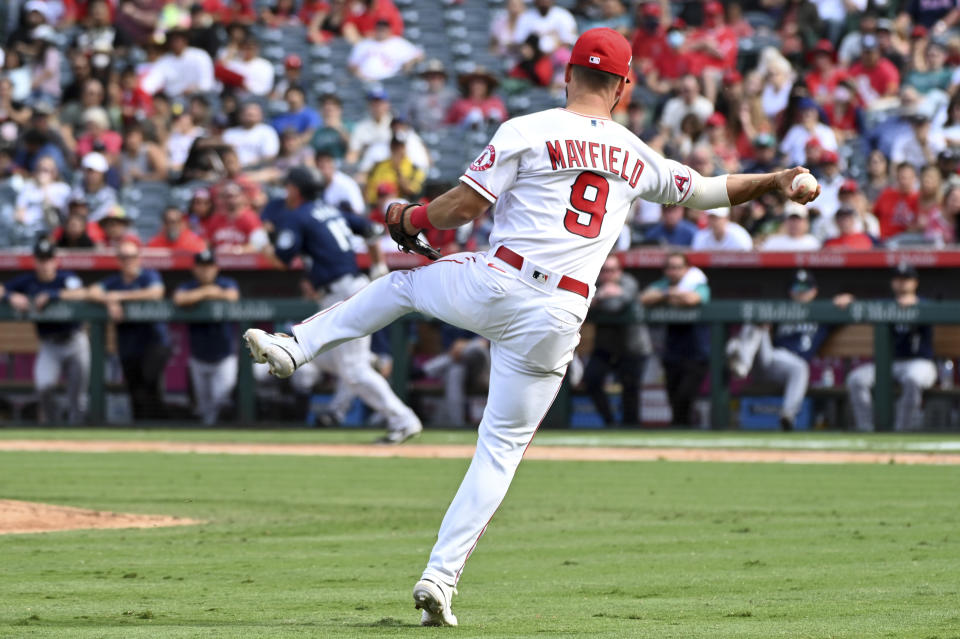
{"x": 737, "y": 188}
{"x": 456, "y": 207}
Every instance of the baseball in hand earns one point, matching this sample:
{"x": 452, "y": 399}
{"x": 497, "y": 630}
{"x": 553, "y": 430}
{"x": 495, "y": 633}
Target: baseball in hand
{"x": 804, "y": 183}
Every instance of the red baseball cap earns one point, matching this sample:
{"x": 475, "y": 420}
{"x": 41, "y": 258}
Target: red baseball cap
{"x": 603, "y": 49}
{"x": 732, "y": 76}
{"x": 713, "y": 8}
{"x": 829, "y": 157}
{"x": 849, "y": 186}
{"x": 652, "y": 9}
{"x": 716, "y": 119}
{"x": 292, "y": 61}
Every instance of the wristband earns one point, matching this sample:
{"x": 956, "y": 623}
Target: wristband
{"x": 418, "y": 218}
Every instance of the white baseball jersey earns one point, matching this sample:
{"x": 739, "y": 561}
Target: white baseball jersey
{"x": 562, "y": 184}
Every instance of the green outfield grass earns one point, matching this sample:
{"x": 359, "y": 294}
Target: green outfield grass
{"x": 330, "y": 547}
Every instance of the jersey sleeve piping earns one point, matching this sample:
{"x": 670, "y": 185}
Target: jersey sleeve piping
{"x": 479, "y": 188}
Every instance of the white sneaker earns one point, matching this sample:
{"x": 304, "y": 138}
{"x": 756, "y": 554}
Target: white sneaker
{"x": 434, "y": 599}
{"x": 281, "y": 352}
{"x": 400, "y": 435}
{"x": 735, "y": 360}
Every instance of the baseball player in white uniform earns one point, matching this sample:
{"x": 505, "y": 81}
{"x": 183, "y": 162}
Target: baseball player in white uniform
{"x": 561, "y": 183}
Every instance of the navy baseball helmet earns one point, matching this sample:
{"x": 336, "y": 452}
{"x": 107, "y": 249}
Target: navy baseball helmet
{"x": 306, "y": 180}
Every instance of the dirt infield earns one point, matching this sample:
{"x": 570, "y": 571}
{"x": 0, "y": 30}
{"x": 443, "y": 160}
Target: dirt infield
{"x": 31, "y": 517}
{"x": 449, "y": 451}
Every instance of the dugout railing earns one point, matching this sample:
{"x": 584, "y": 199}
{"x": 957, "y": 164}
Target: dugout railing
{"x": 718, "y": 315}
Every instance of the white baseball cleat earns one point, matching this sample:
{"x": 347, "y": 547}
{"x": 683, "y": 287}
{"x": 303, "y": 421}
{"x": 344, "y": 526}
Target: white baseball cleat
{"x": 735, "y": 359}
{"x": 281, "y": 352}
{"x": 400, "y": 435}
{"x": 434, "y": 599}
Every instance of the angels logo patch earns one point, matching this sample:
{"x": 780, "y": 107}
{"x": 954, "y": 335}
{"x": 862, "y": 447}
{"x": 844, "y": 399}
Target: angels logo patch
{"x": 486, "y": 159}
{"x": 681, "y": 182}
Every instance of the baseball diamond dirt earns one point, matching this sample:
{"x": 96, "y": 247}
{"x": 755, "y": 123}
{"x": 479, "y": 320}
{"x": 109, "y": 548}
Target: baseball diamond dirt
{"x": 30, "y": 517}
{"x": 456, "y": 451}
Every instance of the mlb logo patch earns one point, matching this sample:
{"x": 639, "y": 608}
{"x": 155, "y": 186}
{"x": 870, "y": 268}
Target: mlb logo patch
{"x": 540, "y": 277}
{"x": 594, "y": 59}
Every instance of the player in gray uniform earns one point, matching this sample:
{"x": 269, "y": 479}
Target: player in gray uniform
{"x": 64, "y": 348}
{"x": 913, "y": 366}
{"x": 785, "y": 356}
{"x": 213, "y": 356}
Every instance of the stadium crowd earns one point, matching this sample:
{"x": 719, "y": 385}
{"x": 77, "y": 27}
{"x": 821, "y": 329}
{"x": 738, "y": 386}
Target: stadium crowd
{"x": 103, "y": 103}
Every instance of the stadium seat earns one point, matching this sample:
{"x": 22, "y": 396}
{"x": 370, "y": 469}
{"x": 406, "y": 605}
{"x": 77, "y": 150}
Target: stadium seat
{"x": 179, "y": 196}
{"x": 144, "y": 203}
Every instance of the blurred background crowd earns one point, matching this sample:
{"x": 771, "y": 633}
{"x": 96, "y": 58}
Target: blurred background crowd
{"x": 171, "y": 122}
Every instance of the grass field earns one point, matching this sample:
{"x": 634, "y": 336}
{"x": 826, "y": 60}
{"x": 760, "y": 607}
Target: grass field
{"x": 330, "y": 547}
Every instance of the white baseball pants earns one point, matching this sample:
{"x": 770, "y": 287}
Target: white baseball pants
{"x": 351, "y": 362}
{"x": 914, "y": 375}
{"x": 779, "y": 365}
{"x": 533, "y": 329}
{"x": 213, "y": 383}
{"x": 72, "y": 359}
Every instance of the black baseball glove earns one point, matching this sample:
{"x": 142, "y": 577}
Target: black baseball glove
{"x": 396, "y": 217}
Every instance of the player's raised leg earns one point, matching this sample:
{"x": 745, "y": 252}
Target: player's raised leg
{"x": 454, "y": 290}
{"x": 373, "y": 307}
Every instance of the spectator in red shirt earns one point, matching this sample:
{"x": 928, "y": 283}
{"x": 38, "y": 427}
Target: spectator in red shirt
{"x": 534, "y": 66}
{"x": 239, "y": 227}
{"x": 714, "y": 45}
{"x": 849, "y": 237}
{"x": 96, "y": 127}
{"x": 363, "y": 15}
{"x": 930, "y": 216}
{"x": 478, "y": 106}
{"x": 135, "y": 103}
{"x": 230, "y": 11}
{"x": 875, "y": 76}
{"x": 671, "y": 64}
{"x": 735, "y": 20}
{"x": 824, "y": 77}
{"x": 311, "y": 8}
{"x": 721, "y": 143}
{"x": 234, "y": 175}
{"x": 175, "y": 235}
{"x": 712, "y": 48}
{"x": 325, "y": 20}
{"x": 282, "y": 13}
{"x": 77, "y": 226}
{"x": 843, "y": 113}
{"x": 78, "y": 10}
{"x": 649, "y": 42}
{"x": 896, "y": 208}
{"x": 73, "y": 234}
